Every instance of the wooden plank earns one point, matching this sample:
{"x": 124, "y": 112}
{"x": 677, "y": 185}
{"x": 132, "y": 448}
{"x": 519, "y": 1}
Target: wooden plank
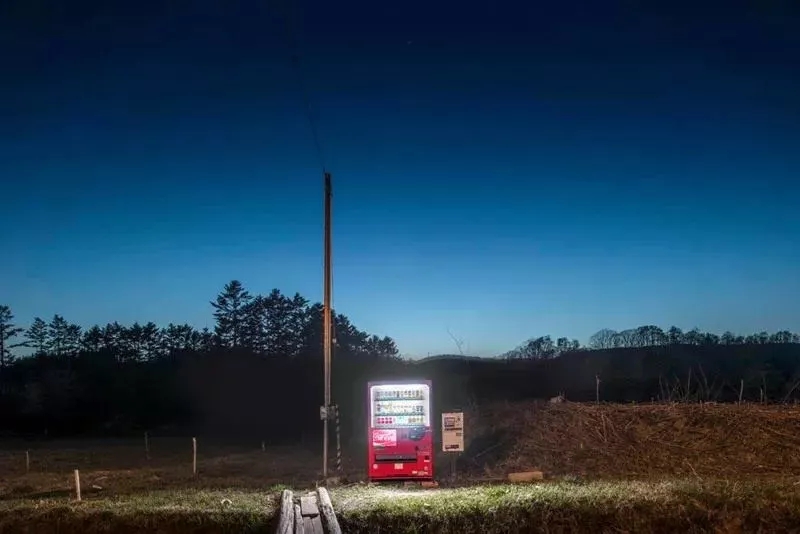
{"x": 308, "y": 505}
{"x": 325, "y": 506}
{"x": 286, "y": 520}
{"x": 298, "y": 521}
{"x": 313, "y": 525}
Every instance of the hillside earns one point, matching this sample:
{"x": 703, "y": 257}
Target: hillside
{"x": 672, "y": 372}
{"x": 635, "y": 441}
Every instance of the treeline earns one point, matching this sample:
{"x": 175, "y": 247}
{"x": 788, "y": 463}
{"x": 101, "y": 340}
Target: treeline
{"x": 274, "y": 326}
{"x": 641, "y": 337}
{"x": 264, "y": 352}
{"x": 258, "y": 374}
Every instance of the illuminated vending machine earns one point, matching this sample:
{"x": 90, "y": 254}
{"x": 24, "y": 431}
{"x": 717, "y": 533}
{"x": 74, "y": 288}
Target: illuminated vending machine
{"x": 400, "y": 439}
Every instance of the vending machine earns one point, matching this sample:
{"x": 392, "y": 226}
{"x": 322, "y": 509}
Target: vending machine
{"x": 400, "y": 438}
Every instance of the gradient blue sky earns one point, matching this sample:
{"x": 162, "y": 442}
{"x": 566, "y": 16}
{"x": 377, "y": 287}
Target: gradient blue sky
{"x": 501, "y": 171}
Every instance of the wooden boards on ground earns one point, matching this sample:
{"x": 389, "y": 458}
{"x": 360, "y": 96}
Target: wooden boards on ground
{"x": 331, "y": 523}
{"x": 286, "y": 520}
{"x": 307, "y": 514}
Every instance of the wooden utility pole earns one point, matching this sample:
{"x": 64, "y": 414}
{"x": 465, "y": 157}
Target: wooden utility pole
{"x": 327, "y": 331}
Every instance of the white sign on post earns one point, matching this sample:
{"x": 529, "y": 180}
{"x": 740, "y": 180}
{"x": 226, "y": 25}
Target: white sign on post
{"x": 453, "y": 432}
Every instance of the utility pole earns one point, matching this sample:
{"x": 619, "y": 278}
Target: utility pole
{"x": 327, "y": 331}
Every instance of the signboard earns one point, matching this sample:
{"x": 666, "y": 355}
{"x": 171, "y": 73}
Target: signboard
{"x": 453, "y": 432}
{"x": 384, "y": 437}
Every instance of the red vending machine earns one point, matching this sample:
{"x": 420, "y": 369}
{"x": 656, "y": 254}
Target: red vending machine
{"x": 400, "y": 439}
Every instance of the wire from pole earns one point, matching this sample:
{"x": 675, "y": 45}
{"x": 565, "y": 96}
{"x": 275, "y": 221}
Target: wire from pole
{"x": 293, "y": 38}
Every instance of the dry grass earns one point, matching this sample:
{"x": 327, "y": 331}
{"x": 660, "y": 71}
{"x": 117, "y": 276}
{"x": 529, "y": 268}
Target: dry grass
{"x": 646, "y": 441}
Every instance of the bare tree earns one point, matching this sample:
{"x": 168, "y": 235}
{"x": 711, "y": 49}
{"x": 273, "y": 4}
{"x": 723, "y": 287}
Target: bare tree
{"x": 458, "y": 341}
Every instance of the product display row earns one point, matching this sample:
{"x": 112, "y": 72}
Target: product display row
{"x": 399, "y": 421}
{"x": 390, "y": 408}
{"x": 382, "y": 394}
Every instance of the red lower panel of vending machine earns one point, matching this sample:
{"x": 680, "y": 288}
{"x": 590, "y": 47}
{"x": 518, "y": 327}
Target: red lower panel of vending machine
{"x": 401, "y": 453}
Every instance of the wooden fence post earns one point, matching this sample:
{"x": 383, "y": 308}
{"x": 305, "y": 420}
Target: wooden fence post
{"x": 77, "y": 485}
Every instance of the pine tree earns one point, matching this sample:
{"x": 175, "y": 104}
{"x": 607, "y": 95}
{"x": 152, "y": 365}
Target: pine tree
{"x": 58, "y": 335}
{"x": 8, "y": 330}
{"x": 230, "y": 312}
{"x": 38, "y": 336}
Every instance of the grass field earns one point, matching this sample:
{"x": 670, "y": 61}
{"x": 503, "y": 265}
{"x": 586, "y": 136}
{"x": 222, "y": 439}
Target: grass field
{"x": 592, "y": 507}
{"x": 610, "y": 469}
{"x": 600, "y": 506}
{"x": 123, "y": 490}
{"x": 177, "y": 510}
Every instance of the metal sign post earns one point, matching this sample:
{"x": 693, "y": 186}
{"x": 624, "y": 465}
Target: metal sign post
{"x": 453, "y": 436}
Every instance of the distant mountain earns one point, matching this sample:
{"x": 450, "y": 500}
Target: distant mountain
{"x": 454, "y": 357}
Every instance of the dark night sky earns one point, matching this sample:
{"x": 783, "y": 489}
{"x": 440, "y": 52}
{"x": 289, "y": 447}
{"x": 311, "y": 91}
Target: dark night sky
{"x": 501, "y": 170}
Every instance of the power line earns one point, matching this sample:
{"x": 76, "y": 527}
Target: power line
{"x": 294, "y": 46}
{"x": 293, "y": 38}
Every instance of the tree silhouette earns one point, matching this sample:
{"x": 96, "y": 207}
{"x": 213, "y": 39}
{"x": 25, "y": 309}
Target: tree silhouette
{"x": 37, "y": 336}
{"x": 62, "y": 337}
{"x": 603, "y": 339}
{"x": 643, "y": 337}
{"x": 183, "y": 337}
{"x": 116, "y": 377}
{"x": 674, "y": 335}
{"x": 8, "y": 330}
{"x": 538, "y": 348}
{"x": 728, "y": 338}
{"x": 231, "y": 309}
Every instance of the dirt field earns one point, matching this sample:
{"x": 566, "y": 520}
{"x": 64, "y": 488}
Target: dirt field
{"x": 121, "y": 466}
{"x": 665, "y": 468}
{"x": 122, "y": 490}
